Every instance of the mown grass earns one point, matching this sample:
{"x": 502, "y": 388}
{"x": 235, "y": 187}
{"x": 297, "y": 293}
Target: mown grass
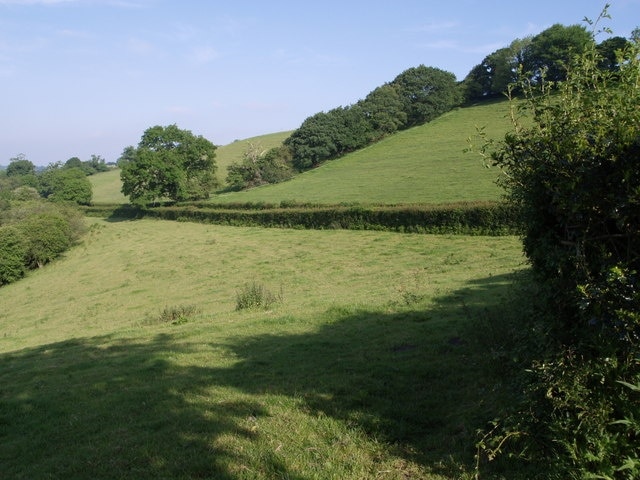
{"x": 371, "y": 366}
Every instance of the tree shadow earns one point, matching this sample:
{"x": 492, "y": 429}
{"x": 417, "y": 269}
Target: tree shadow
{"x": 415, "y": 380}
{"x": 422, "y": 381}
{"x": 93, "y": 408}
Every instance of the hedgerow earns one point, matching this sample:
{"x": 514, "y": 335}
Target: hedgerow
{"x": 481, "y": 218}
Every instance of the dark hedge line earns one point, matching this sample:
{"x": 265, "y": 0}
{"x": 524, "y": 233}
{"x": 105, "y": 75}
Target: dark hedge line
{"x": 486, "y": 218}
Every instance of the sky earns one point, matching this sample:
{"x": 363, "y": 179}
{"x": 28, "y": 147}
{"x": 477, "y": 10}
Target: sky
{"x": 88, "y": 77}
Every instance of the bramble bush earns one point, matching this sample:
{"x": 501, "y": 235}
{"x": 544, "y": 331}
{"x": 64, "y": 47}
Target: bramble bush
{"x": 571, "y": 165}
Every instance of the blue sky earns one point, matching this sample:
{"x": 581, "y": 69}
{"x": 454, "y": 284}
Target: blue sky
{"x": 83, "y": 77}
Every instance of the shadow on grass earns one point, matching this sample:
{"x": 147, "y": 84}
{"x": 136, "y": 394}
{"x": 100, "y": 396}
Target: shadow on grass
{"x": 95, "y": 408}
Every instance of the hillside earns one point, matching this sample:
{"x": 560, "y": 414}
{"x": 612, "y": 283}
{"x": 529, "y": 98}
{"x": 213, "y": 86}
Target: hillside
{"x": 424, "y": 164}
{"x": 228, "y": 154}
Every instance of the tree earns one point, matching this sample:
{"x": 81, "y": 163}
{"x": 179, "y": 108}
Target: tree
{"x": 383, "y": 108}
{"x": 66, "y": 185}
{"x": 497, "y": 71}
{"x": 128, "y": 155}
{"x": 20, "y": 166}
{"x": 609, "y": 51}
{"x": 551, "y": 51}
{"x": 13, "y": 254}
{"x": 169, "y": 163}
{"x": 259, "y": 167}
{"x": 426, "y": 92}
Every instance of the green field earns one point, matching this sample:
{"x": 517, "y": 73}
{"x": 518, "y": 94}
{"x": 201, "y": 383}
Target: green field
{"x": 380, "y": 358}
{"x": 369, "y": 367}
{"x": 424, "y": 164}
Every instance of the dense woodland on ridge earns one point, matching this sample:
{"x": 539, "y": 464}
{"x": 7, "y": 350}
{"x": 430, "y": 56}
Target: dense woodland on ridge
{"x": 572, "y": 179}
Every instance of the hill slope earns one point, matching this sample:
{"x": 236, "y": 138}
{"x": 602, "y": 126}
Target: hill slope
{"x": 424, "y": 164}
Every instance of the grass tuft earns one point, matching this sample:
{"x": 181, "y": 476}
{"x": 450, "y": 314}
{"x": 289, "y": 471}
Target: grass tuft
{"x": 256, "y": 296}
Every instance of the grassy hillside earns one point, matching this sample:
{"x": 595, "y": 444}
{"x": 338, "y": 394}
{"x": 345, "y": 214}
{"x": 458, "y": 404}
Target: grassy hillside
{"x": 371, "y": 366}
{"x": 228, "y": 154}
{"x": 425, "y": 164}
{"x": 106, "y": 187}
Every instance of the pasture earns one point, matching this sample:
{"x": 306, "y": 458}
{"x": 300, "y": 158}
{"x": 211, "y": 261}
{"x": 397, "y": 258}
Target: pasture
{"x": 375, "y": 363}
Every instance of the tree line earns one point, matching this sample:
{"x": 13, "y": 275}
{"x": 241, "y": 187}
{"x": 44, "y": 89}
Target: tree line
{"x": 64, "y": 182}
{"x": 416, "y": 96}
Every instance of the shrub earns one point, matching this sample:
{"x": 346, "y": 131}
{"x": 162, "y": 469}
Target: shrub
{"x": 47, "y": 237}
{"x": 572, "y": 173}
{"x": 254, "y": 296}
{"x": 13, "y": 252}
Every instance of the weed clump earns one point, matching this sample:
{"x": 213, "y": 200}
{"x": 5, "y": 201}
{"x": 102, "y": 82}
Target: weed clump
{"x": 255, "y": 296}
{"x": 176, "y": 315}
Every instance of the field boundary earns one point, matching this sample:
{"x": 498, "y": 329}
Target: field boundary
{"x": 466, "y": 218}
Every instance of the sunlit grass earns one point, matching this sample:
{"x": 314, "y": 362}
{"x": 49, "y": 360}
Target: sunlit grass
{"x": 369, "y": 367}
{"x": 425, "y": 164}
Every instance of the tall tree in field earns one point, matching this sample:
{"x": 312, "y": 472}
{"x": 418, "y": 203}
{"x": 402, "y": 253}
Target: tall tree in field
{"x": 169, "y": 163}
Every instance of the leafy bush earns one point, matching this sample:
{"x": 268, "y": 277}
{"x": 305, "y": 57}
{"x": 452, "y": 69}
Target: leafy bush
{"x": 572, "y": 173}
{"x": 66, "y": 185}
{"x": 35, "y": 233}
{"x": 13, "y": 253}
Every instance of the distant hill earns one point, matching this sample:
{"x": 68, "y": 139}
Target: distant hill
{"x": 424, "y": 164}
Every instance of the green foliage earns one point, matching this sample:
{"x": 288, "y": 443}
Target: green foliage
{"x": 260, "y": 167}
{"x": 34, "y": 233}
{"x": 416, "y": 96}
{"x": 496, "y": 72}
{"x": 67, "y": 184}
{"x": 426, "y": 92}
{"x": 169, "y": 163}
{"x": 95, "y": 165}
{"x": 48, "y": 235}
{"x": 13, "y": 254}
{"x": 572, "y": 173}
{"x": 550, "y": 52}
{"x": 255, "y": 295}
{"x": 20, "y": 166}
{"x": 480, "y": 218}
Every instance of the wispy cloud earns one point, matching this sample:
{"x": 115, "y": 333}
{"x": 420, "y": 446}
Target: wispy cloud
{"x": 140, "y": 47}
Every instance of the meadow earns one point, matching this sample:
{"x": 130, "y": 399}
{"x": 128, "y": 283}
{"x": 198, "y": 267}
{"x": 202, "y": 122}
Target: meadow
{"x": 381, "y": 355}
{"x": 370, "y": 365}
